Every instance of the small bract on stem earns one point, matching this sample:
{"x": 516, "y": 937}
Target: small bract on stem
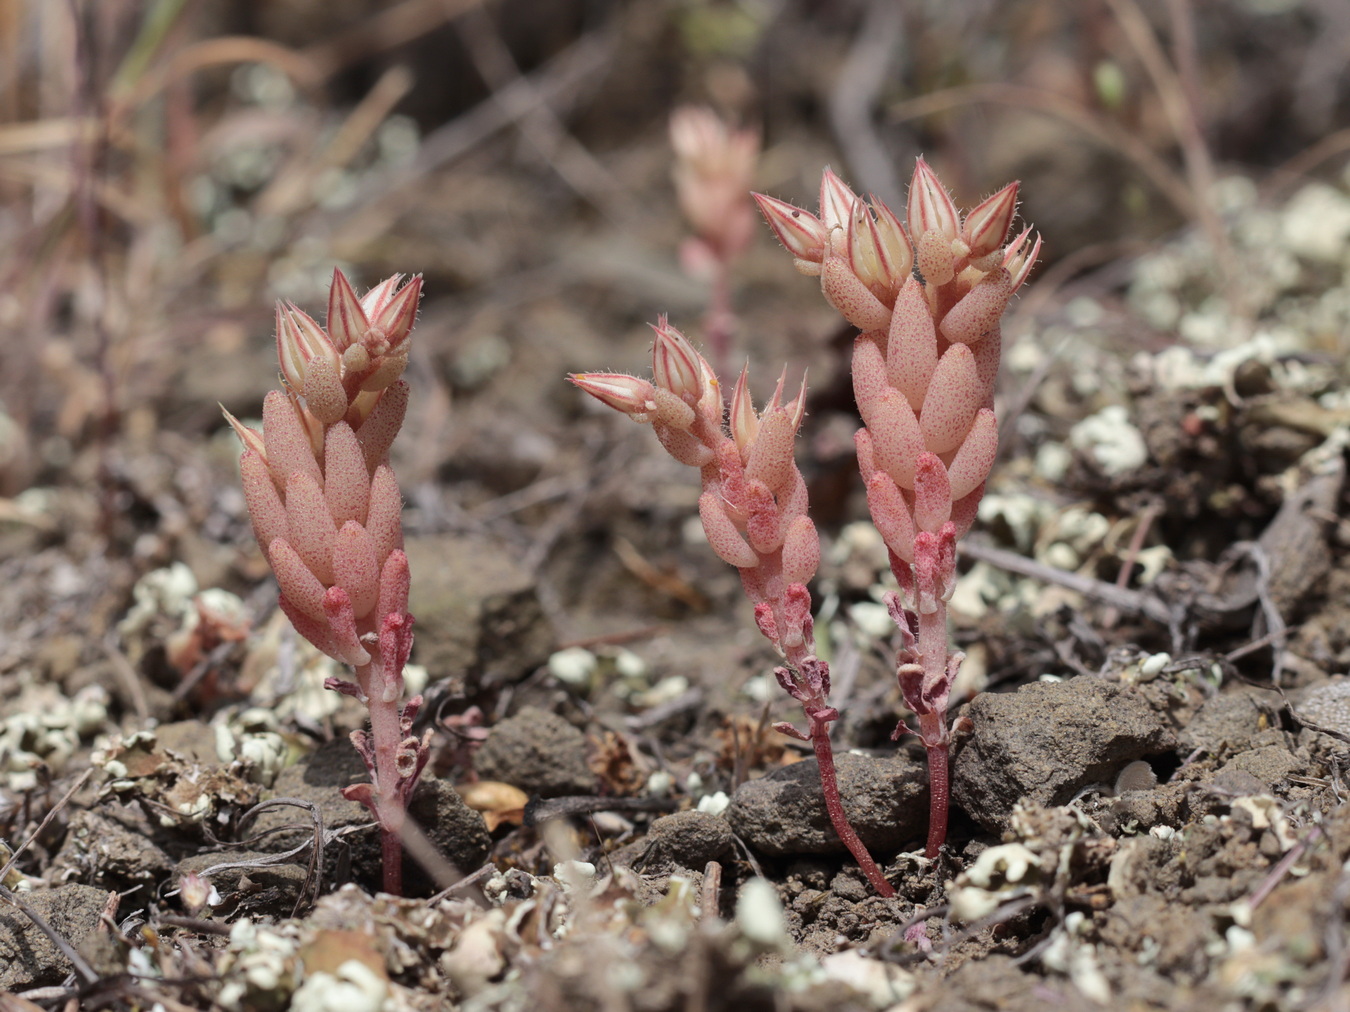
{"x": 326, "y": 511}
{"x": 754, "y": 512}
{"x": 928, "y": 300}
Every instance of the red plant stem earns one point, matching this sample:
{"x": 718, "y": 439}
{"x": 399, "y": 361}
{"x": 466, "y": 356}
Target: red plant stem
{"x": 932, "y": 647}
{"x": 719, "y": 321}
{"x": 820, "y": 740}
{"x": 386, "y": 735}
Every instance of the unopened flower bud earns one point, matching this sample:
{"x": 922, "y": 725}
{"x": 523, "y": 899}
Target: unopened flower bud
{"x": 987, "y": 225}
{"x": 676, "y": 365}
{"x": 801, "y": 232}
{"x": 930, "y": 206}
{"x": 629, "y": 394}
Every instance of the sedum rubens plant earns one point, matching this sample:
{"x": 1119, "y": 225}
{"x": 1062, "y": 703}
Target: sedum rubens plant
{"x": 326, "y": 510}
{"x": 928, "y": 302}
{"x": 753, "y": 509}
{"x": 713, "y": 166}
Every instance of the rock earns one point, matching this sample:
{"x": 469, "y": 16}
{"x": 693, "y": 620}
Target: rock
{"x": 27, "y": 956}
{"x": 457, "y": 831}
{"x": 539, "y": 752}
{"x": 477, "y": 610}
{"x": 686, "y": 840}
{"x": 886, "y": 800}
{"x": 1049, "y": 740}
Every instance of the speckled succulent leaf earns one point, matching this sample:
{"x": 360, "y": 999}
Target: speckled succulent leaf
{"x": 325, "y": 397}
{"x": 801, "y": 551}
{"x": 771, "y": 456}
{"x": 343, "y": 686}
{"x": 396, "y": 640}
{"x": 987, "y": 354}
{"x": 395, "y": 585}
{"x": 987, "y": 224}
{"x": 911, "y": 344}
{"x": 672, "y": 410}
{"x": 792, "y": 501}
{"x": 356, "y": 567}
{"x": 975, "y": 457}
{"x": 851, "y": 297}
{"x": 684, "y": 447}
{"x": 764, "y": 620}
{"x": 314, "y": 630}
{"x": 377, "y": 432}
{"x": 337, "y": 607}
{"x": 347, "y": 323}
{"x": 310, "y": 529}
{"x": 675, "y": 364}
{"x": 896, "y": 438}
{"x": 930, "y": 205}
{"x": 966, "y": 509}
{"x": 298, "y": 584}
{"x": 801, "y": 232}
{"x": 762, "y": 527}
{"x": 346, "y": 482}
{"x": 932, "y": 493}
{"x": 933, "y": 257}
{"x": 891, "y": 514}
{"x": 796, "y": 615}
{"x": 265, "y": 507}
{"x": 954, "y": 395}
{"x": 977, "y": 314}
{"x": 836, "y": 204}
{"x": 287, "y": 443}
{"x": 384, "y": 517}
{"x": 387, "y": 370}
{"x": 723, "y": 537}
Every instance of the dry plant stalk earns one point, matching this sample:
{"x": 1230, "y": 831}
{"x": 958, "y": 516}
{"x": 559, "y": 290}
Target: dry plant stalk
{"x": 753, "y": 509}
{"x": 928, "y": 302}
{"x": 326, "y": 510}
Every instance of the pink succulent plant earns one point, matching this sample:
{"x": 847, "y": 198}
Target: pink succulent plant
{"x": 928, "y": 301}
{"x": 753, "y": 510}
{"x": 326, "y": 511}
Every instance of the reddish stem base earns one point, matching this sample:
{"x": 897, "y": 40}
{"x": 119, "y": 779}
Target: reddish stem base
{"x": 820, "y": 741}
{"x": 939, "y": 789}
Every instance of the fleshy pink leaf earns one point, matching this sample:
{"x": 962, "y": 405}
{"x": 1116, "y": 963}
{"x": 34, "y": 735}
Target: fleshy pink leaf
{"x": 851, "y": 297}
{"x": 337, "y": 606}
{"x": 891, "y": 514}
{"x": 932, "y": 493}
{"x": 377, "y": 432}
{"x": 977, "y": 314}
{"x": 301, "y": 587}
{"x": 346, "y": 482}
{"x": 954, "y": 395}
{"x": 309, "y": 524}
{"x": 761, "y": 525}
{"x": 356, "y": 569}
{"x": 287, "y": 443}
{"x": 395, "y": 583}
{"x": 801, "y": 551}
{"x": 966, "y": 509}
{"x": 264, "y": 504}
{"x": 976, "y": 456}
{"x": 729, "y": 544}
{"x": 911, "y": 344}
{"x": 324, "y": 395}
{"x": 933, "y": 257}
{"x": 384, "y": 520}
{"x": 315, "y": 631}
{"x": 771, "y": 459}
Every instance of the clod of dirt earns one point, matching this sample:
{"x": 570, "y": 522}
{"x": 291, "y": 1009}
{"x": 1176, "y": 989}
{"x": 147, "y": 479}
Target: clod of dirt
{"x": 27, "y": 956}
{"x": 247, "y": 884}
{"x": 1327, "y": 704}
{"x": 539, "y": 752}
{"x": 886, "y": 799}
{"x": 1049, "y": 740}
{"x": 458, "y": 832}
{"x": 685, "y": 840}
{"x": 1229, "y": 722}
{"x": 110, "y": 852}
{"x": 478, "y": 612}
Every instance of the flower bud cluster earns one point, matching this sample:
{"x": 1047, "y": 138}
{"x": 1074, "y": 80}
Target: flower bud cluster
{"x": 928, "y": 298}
{"x": 713, "y": 167}
{"x": 753, "y": 505}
